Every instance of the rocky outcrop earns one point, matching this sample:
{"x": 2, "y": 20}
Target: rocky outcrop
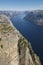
{"x": 14, "y": 48}
{"x": 26, "y": 54}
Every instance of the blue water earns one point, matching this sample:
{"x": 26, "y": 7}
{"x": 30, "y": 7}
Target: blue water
{"x": 32, "y": 32}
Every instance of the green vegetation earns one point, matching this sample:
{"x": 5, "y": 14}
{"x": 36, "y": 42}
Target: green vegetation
{"x": 18, "y": 35}
{"x": 0, "y": 39}
{"x": 22, "y": 42}
{"x": 4, "y": 28}
{"x": 22, "y": 50}
{"x": 1, "y": 46}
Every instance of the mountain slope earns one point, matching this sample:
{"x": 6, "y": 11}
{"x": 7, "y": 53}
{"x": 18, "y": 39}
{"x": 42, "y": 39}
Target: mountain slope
{"x": 35, "y": 17}
{"x": 14, "y": 48}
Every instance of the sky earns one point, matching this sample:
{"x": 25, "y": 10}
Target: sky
{"x": 21, "y": 5}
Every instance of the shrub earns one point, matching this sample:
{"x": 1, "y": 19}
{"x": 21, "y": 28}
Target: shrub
{"x": 0, "y": 39}
{"x": 1, "y": 46}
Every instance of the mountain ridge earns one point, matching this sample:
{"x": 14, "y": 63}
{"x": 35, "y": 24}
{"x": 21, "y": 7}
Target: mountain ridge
{"x": 35, "y": 17}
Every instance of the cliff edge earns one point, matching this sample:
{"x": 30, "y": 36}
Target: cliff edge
{"x": 14, "y": 48}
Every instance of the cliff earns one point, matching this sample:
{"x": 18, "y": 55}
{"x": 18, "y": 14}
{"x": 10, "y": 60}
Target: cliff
{"x": 14, "y": 48}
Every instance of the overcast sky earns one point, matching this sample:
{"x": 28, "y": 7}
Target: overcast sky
{"x": 21, "y": 4}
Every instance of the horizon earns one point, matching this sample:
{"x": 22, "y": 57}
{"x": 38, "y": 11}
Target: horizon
{"x": 21, "y": 5}
{"x": 22, "y": 10}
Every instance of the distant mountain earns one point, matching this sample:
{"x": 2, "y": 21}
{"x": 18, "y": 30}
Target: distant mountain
{"x": 12, "y": 14}
{"x": 9, "y": 13}
{"x": 35, "y": 17}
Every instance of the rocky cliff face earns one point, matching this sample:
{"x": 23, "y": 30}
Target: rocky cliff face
{"x": 14, "y": 48}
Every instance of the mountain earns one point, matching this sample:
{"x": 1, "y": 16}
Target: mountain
{"x": 14, "y": 48}
{"x": 9, "y": 13}
{"x": 35, "y": 17}
{"x": 12, "y": 14}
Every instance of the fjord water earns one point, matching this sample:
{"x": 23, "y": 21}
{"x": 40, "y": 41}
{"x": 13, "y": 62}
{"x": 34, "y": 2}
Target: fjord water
{"x": 32, "y": 32}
